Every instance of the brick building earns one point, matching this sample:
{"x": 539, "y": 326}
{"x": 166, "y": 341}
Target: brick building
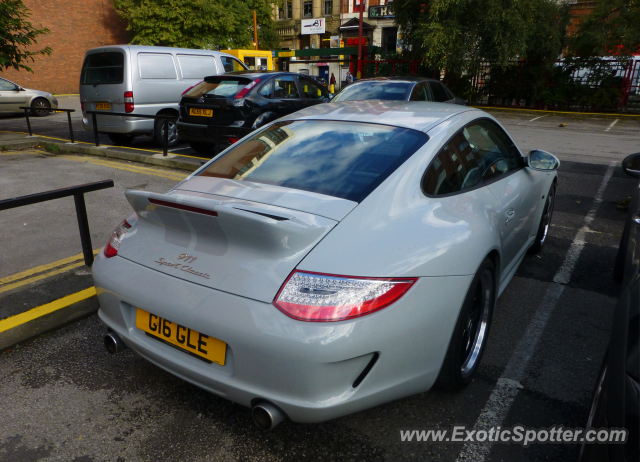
{"x": 76, "y": 26}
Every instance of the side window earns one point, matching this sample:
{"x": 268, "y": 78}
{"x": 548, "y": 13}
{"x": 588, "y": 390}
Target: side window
{"x": 439, "y": 93}
{"x": 267, "y": 90}
{"x": 454, "y": 169}
{"x": 6, "y": 86}
{"x": 285, "y": 87}
{"x": 231, "y": 64}
{"x": 156, "y": 66}
{"x": 497, "y": 153}
{"x": 311, "y": 90}
{"x": 481, "y": 151}
{"x": 197, "y": 67}
{"x": 418, "y": 93}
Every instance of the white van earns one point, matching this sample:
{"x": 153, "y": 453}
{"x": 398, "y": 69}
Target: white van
{"x": 146, "y": 80}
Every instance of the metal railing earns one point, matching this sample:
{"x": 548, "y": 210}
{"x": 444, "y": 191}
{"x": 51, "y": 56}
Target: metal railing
{"x": 166, "y": 119}
{"x": 81, "y": 210}
{"x": 27, "y": 110}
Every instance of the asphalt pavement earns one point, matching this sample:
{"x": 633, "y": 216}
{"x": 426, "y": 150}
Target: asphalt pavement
{"x": 66, "y": 399}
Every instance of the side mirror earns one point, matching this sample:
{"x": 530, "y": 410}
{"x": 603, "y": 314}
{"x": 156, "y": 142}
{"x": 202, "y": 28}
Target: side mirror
{"x": 631, "y": 165}
{"x": 542, "y": 160}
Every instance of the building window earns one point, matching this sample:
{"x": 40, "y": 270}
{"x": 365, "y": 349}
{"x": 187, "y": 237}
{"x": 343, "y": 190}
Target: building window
{"x": 281, "y": 13}
{"x": 288, "y": 8}
{"x": 307, "y": 8}
{"x": 328, "y": 7}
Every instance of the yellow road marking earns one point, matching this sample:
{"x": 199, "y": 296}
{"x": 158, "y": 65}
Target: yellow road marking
{"x": 18, "y": 153}
{"x": 40, "y": 269}
{"x": 41, "y": 310}
{"x": 557, "y": 112}
{"x": 106, "y": 145}
{"x": 129, "y": 168}
{"x": 39, "y": 277}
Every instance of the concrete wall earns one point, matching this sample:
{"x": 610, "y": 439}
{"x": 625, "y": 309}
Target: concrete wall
{"x": 76, "y": 26}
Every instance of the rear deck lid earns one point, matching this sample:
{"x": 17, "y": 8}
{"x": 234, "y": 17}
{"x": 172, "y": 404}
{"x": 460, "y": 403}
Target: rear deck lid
{"x": 211, "y": 101}
{"x": 233, "y": 245}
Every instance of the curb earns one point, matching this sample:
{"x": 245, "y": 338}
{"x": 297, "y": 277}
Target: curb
{"x": 171, "y": 161}
{"x": 48, "y": 322}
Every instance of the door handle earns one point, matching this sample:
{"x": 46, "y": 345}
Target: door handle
{"x": 509, "y": 214}
{"x": 636, "y": 218}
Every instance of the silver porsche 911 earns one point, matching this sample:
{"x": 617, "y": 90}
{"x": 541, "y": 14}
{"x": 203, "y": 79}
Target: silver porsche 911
{"x": 342, "y": 257}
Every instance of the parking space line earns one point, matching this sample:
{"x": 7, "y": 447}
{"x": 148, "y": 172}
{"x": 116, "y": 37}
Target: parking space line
{"x": 611, "y": 126}
{"x": 22, "y": 318}
{"x": 130, "y": 168}
{"x": 40, "y": 277}
{"x": 504, "y": 394}
{"x": 536, "y": 118}
{"x": 41, "y": 268}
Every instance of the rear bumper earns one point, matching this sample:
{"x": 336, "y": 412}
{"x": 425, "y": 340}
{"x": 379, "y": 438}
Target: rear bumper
{"x": 209, "y": 134}
{"x": 119, "y": 124}
{"x": 307, "y": 369}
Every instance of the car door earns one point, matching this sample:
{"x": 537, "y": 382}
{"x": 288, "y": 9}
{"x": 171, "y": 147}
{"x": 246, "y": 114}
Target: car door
{"x": 517, "y": 189}
{"x": 312, "y": 91}
{"x": 11, "y": 97}
{"x": 287, "y": 95}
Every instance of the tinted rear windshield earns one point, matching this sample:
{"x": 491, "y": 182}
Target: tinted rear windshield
{"x": 217, "y": 87}
{"x": 103, "y": 68}
{"x": 340, "y": 159}
{"x": 374, "y": 90}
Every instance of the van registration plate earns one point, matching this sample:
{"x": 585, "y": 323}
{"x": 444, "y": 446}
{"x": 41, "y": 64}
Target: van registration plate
{"x": 196, "y": 344}
{"x": 196, "y": 111}
{"x": 103, "y": 106}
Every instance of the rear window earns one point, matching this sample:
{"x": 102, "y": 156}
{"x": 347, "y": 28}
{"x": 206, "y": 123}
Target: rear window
{"x": 218, "y": 87}
{"x": 374, "y": 90}
{"x": 103, "y": 68}
{"x": 340, "y": 159}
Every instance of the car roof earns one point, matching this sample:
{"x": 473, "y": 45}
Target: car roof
{"x": 417, "y": 115}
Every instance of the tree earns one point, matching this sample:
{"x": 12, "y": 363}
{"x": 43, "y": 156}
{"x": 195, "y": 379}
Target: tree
{"x": 457, "y": 35}
{"x": 17, "y": 35}
{"x": 612, "y": 28}
{"x": 199, "y": 23}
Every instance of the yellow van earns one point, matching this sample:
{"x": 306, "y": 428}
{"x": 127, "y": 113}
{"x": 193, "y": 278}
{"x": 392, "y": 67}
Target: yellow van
{"x": 255, "y": 60}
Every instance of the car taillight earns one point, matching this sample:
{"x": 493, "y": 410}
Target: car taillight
{"x": 191, "y": 87}
{"x": 111, "y": 249}
{"x": 82, "y": 107}
{"x": 128, "y": 101}
{"x": 232, "y": 140}
{"x": 247, "y": 89}
{"x": 325, "y": 297}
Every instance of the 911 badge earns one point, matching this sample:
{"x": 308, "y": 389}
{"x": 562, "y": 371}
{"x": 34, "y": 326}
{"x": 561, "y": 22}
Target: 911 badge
{"x": 181, "y": 265}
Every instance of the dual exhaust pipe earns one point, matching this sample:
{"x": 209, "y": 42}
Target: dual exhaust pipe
{"x": 265, "y": 414}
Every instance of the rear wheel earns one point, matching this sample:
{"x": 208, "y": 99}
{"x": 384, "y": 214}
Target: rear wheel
{"x": 545, "y": 221}
{"x": 471, "y": 331}
{"x": 39, "y": 106}
{"x": 120, "y": 139}
{"x": 158, "y": 133}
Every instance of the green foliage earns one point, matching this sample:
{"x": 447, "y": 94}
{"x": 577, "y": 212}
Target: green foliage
{"x": 17, "y": 35}
{"x": 227, "y": 24}
{"x": 457, "y": 35}
{"x": 612, "y": 28}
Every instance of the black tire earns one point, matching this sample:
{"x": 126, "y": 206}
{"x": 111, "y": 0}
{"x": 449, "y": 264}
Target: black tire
{"x": 202, "y": 148}
{"x": 158, "y": 133}
{"x": 470, "y": 334}
{"x": 120, "y": 139}
{"x": 545, "y": 221}
{"x": 42, "y": 104}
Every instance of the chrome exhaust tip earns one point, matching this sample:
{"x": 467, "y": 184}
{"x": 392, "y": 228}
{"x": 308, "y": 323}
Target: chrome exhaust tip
{"x": 266, "y": 416}
{"x": 113, "y": 343}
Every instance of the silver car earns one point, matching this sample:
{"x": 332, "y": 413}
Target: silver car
{"x": 13, "y": 96}
{"x": 398, "y": 89}
{"x": 339, "y": 258}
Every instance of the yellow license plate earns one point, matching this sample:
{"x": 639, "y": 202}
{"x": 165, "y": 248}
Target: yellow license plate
{"x": 204, "y": 347}
{"x": 103, "y": 105}
{"x": 195, "y": 111}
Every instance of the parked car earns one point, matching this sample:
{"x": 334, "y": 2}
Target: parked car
{"x": 398, "y": 89}
{"x": 338, "y": 258}
{"x": 13, "y": 96}
{"x": 616, "y": 400}
{"x": 146, "y": 80}
{"x": 210, "y": 111}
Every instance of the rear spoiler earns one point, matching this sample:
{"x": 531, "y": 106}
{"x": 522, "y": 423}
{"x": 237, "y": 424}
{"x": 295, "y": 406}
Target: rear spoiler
{"x": 220, "y": 78}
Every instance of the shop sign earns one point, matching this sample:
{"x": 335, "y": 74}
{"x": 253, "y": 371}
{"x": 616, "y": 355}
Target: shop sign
{"x": 381, "y": 12}
{"x": 313, "y": 26}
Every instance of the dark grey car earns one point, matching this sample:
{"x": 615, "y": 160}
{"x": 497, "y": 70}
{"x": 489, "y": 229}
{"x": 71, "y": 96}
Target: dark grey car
{"x": 398, "y": 89}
